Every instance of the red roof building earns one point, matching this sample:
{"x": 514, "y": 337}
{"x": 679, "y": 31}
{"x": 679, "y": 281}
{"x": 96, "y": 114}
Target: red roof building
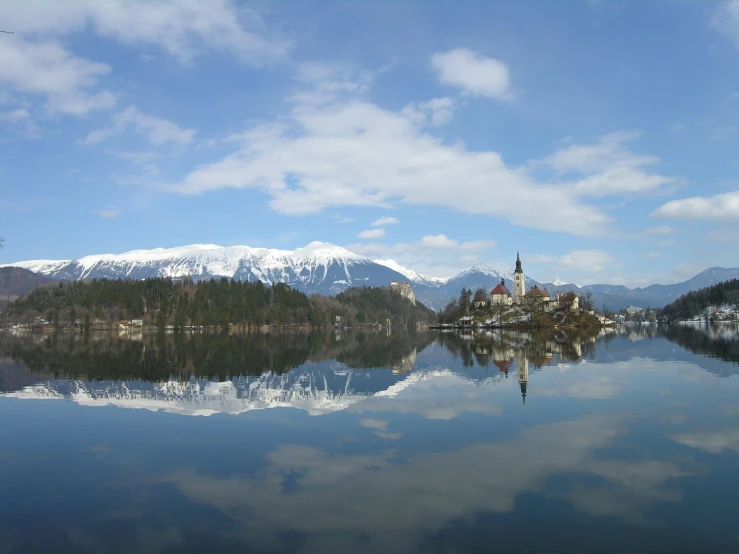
{"x": 501, "y": 295}
{"x": 501, "y": 289}
{"x": 503, "y": 365}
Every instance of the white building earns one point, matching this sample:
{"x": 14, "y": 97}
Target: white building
{"x": 500, "y": 295}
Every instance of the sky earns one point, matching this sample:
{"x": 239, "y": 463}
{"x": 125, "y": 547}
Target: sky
{"x": 598, "y": 138}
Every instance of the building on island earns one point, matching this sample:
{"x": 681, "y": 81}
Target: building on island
{"x": 405, "y": 290}
{"x": 537, "y": 297}
{"x": 519, "y": 282}
{"x": 568, "y": 300}
{"x": 500, "y": 295}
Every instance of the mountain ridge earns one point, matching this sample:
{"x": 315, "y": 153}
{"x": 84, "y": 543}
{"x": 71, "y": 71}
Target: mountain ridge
{"x": 325, "y": 268}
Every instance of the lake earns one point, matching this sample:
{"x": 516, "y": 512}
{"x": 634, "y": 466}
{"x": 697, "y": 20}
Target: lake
{"x": 382, "y": 442}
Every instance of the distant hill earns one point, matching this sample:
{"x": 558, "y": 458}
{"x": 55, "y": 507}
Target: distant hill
{"x": 694, "y": 302}
{"x": 16, "y": 281}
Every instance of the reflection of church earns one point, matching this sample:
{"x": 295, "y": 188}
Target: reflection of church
{"x": 522, "y": 368}
{"x": 504, "y": 348}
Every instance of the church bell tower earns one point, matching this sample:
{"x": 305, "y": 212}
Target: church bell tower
{"x": 519, "y": 287}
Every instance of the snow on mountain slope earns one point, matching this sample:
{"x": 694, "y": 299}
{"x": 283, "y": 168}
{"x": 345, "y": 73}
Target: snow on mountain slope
{"x": 318, "y": 267}
{"x": 485, "y": 269}
{"x": 43, "y": 267}
{"x": 412, "y": 275}
{"x": 316, "y": 392}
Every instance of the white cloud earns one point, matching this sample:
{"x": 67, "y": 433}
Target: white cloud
{"x": 661, "y": 230}
{"x": 107, "y": 214}
{"x": 372, "y": 233}
{"x": 15, "y": 116}
{"x": 325, "y": 82}
{"x": 474, "y": 73}
{"x": 185, "y": 29}
{"x": 358, "y": 154}
{"x": 652, "y": 255}
{"x": 436, "y": 111}
{"x": 385, "y": 221}
{"x": 45, "y": 68}
{"x": 436, "y": 255}
{"x": 157, "y": 130}
{"x": 592, "y": 260}
{"x": 35, "y": 62}
{"x": 717, "y": 207}
{"x": 609, "y": 167}
{"x": 725, "y": 19}
{"x": 20, "y": 121}
{"x": 439, "y": 241}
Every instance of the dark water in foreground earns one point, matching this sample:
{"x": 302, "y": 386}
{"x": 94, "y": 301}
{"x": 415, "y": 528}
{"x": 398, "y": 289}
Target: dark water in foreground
{"x": 371, "y": 443}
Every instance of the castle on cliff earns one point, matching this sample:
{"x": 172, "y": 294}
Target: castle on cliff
{"x": 405, "y": 290}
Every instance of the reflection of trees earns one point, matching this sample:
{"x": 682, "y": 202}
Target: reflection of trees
{"x": 724, "y": 346}
{"x": 485, "y": 348}
{"x": 157, "y": 357}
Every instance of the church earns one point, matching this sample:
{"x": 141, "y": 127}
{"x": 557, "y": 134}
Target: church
{"x": 539, "y": 297}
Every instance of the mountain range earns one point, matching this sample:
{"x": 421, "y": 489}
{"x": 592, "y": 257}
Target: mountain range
{"x": 328, "y": 269}
{"x": 16, "y": 281}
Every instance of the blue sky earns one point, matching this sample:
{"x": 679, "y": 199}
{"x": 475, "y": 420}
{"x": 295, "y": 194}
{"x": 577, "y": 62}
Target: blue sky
{"x": 598, "y": 137}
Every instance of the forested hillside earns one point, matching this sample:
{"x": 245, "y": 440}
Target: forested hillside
{"x": 221, "y": 303}
{"x": 693, "y": 303}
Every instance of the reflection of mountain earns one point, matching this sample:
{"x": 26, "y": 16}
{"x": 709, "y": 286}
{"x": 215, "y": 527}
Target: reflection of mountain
{"x": 315, "y": 388}
{"x": 312, "y": 372}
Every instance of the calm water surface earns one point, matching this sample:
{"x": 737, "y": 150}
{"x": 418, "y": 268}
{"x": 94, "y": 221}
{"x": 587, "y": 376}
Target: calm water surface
{"x": 371, "y": 443}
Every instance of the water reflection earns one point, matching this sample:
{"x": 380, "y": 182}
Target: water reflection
{"x": 626, "y": 440}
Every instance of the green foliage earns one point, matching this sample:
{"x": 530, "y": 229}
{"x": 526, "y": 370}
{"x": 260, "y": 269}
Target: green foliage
{"x": 160, "y": 356}
{"x": 692, "y": 304}
{"x": 223, "y": 303}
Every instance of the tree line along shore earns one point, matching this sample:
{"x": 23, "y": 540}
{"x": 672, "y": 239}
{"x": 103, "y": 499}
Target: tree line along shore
{"x": 222, "y": 303}
{"x": 228, "y": 304}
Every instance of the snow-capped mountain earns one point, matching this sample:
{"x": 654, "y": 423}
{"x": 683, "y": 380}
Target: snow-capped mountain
{"x": 412, "y": 275}
{"x": 317, "y": 267}
{"x": 325, "y": 268}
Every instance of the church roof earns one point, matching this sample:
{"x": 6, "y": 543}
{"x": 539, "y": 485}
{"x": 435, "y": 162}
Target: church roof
{"x": 536, "y": 292}
{"x": 500, "y": 288}
{"x": 503, "y": 365}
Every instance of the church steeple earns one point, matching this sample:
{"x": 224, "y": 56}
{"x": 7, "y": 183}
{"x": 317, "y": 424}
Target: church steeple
{"x": 519, "y": 282}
